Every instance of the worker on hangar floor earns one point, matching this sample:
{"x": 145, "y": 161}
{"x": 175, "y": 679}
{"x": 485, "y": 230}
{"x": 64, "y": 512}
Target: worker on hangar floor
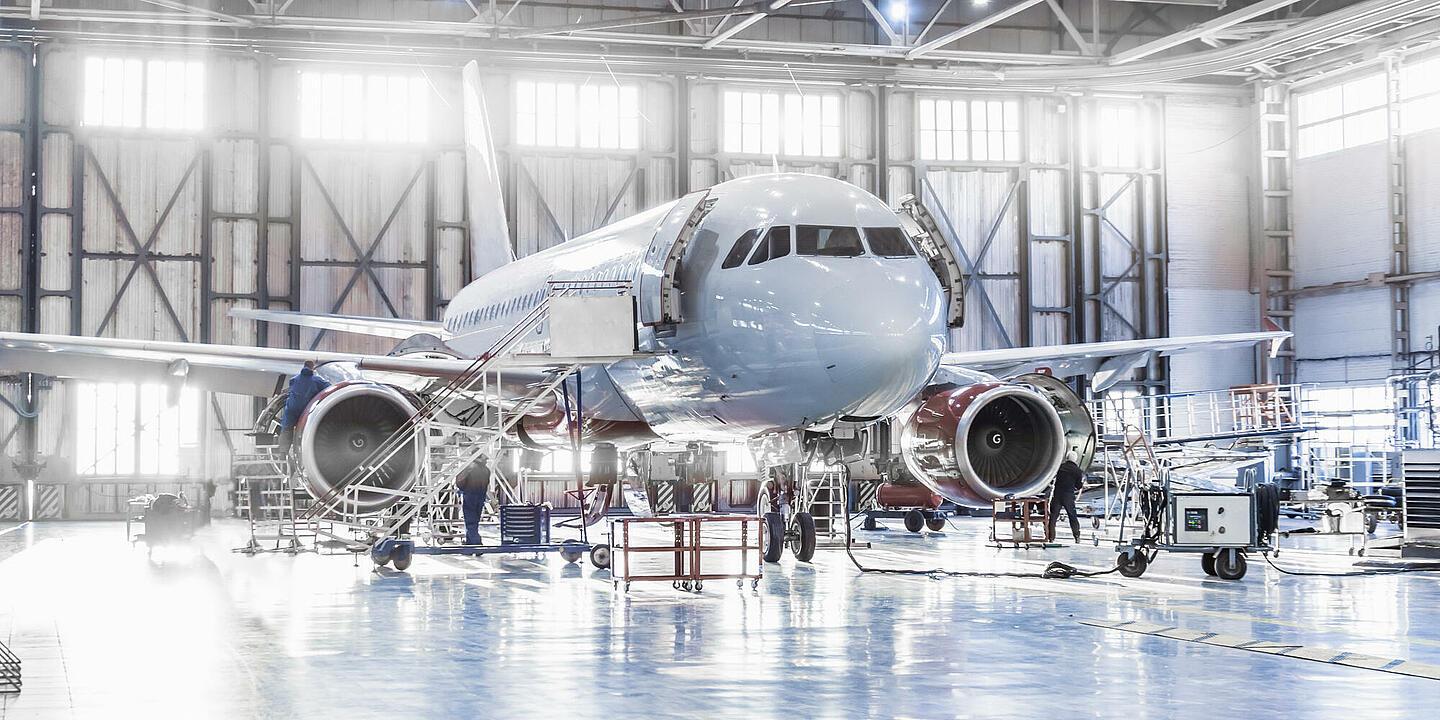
{"x": 474, "y": 485}
{"x": 1069, "y": 480}
{"x": 303, "y": 388}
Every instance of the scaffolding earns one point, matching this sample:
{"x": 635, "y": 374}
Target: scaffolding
{"x": 456, "y": 424}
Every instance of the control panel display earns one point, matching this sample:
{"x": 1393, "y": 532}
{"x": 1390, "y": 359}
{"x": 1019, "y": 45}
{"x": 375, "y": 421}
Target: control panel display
{"x": 1197, "y": 519}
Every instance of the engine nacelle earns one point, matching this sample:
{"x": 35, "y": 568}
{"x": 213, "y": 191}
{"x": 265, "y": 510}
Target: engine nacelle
{"x": 342, "y": 428}
{"x": 976, "y": 443}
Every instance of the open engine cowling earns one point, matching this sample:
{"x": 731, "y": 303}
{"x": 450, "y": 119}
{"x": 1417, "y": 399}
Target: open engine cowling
{"x": 342, "y": 428}
{"x": 977, "y": 443}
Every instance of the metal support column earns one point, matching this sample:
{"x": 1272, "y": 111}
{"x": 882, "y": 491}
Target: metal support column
{"x": 29, "y": 452}
{"x": 1277, "y": 236}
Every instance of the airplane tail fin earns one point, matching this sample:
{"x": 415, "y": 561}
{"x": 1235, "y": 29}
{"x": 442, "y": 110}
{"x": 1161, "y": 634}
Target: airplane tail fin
{"x": 485, "y": 200}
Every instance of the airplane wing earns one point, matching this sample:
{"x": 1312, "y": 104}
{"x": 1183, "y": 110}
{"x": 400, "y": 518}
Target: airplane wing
{"x": 1105, "y": 362}
{"x": 239, "y": 369}
{"x": 380, "y": 327}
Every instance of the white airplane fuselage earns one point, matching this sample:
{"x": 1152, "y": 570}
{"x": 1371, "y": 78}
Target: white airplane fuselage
{"x": 765, "y": 345}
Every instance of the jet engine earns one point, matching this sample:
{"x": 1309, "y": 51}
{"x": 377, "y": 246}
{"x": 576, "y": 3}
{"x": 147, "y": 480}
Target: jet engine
{"x": 342, "y": 428}
{"x": 977, "y": 442}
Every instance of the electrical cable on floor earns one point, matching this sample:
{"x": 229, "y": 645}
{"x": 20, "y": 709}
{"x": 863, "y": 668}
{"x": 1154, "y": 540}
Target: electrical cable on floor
{"x": 1056, "y": 570}
{"x": 1352, "y": 573}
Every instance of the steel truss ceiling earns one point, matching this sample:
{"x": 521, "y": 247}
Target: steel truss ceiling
{"x": 1196, "y": 40}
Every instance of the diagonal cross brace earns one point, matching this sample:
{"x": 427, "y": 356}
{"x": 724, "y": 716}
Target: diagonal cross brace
{"x": 970, "y": 268}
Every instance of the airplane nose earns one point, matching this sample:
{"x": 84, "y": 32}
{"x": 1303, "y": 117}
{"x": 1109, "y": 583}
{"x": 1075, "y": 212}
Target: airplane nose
{"x": 879, "y": 340}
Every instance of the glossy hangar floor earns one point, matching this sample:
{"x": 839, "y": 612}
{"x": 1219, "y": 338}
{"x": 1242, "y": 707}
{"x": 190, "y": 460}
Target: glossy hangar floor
{"x": 105, "y": 633}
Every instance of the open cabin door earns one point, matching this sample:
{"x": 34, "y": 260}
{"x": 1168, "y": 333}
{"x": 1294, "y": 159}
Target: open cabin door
{"x": 659, "y": 292}
{"x": 921, "y": 228}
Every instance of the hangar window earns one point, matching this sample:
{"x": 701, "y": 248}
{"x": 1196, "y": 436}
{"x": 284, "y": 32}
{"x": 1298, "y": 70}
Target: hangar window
{"x": 560, "y": 114}
{"x": 1341, "y": 116}
{"x": 962, "y": 130}
{"x": 1117, "y": 136}
{"x": 740, "y": 249}
{"x": 767, "y": 123}
{"x": 827, "y": 241}
{"x": 889, "y": 242}
{"x": 1420, "y": 95}
{"x": 775, "y": 245}
{"x": 373, "y": 108}
{"x": 123, "y": 429}
{"x": 157, "y": 94}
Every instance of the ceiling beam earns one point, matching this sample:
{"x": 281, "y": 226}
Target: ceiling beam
{"x": 737, "y": 28}
{"x": 973, "y": 28}
{"x": 1203, "y": 29}
{"x": 1069, "y": 26}
{"x": 882, "y": 22}
{"x": 943, "y": 7}
{"x": 207, "y": 12}
{"x": 653, "y": 19}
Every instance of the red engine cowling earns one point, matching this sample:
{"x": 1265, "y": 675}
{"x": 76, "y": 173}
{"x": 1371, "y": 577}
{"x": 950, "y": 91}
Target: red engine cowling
{"x": 981, "y": 442}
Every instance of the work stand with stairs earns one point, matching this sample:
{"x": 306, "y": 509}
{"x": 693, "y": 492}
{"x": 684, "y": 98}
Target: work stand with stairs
{"x": 454, "y": 425}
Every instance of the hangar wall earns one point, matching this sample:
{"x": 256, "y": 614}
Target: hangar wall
{"x": 1068, "y": 231}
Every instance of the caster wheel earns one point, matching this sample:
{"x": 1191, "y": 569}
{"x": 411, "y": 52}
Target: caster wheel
{"x": 1095, "y": 522}
{"x": 755, "y": 584}
{"x": 570, "y": 553}
{"x": 803, "y": 543}
{"x": 401, "y": 556}
{"x": 1207, "y": 563}
{"x": 1132, "y": 565}
{"x": 600, "y": 556}
{"x": 935, "y": 523}
{"x": 380, "y": 556}
{"x": 774, "y": 537}
{"x": 627, "y": 587}
{"x": 1360, "y": 552}
{"x": 1230, "y": 565}
{"x": 675, "y": 584}
{"x": 739, "y": 584}
{"x": 699, "y": 585}
{"x": 914, "y": 521}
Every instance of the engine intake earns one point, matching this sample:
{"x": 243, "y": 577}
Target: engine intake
{"x": 342, "y": 428}
{"x": 981, "y": 442}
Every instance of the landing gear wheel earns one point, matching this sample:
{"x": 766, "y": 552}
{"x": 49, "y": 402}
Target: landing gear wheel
{"x": 402, "y": 555}
{"x": 936, "y": 523}
{"x": 1132, "y": 565}
{"x": 803, "y": 543}
{"x": 1372, "y": 521}
{"x": 600, "y": 556}
{"x": 914, "y": 521}
{"x": 1207, "y": 563}
{"x": 774, "y": 537}
{"x": 571, "y": 552}
{"x": 1230, "y": 565}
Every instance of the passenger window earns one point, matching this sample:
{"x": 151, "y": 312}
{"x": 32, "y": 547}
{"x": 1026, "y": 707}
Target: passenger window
{"x": 740, "y": 250}
{"x": 889, "y": 242}
{"x": 775, "y": 245}
{"x": 828, "y": 241}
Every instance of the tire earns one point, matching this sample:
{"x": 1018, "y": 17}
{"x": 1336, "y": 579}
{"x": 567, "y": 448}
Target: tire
{"x": 1372, "y": 522}
{"x": 936, "y": 523}
{"x": 774, "y": 537}
{"x": 1230, "y": 565}
{"x": 1132, "y": 565}
{"x": 380, "y": 557}
{"x": 1207, "y": 563}
{"x": 600, "y": 556}
{"x": 914, "y": 521}
{"x": 402, "y": 555}
{"x": 570, "y": 551}
{"x": 803, "y": 544}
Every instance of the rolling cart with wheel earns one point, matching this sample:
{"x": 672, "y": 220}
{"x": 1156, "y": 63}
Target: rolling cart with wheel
{"x": 524, "y": 529}
{"x": 1221, "y": 527}
{"x": 693, "y": 556}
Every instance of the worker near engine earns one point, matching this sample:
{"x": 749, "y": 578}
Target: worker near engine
{"x": 474, "y": 485}
{"x": 1069, "y": 480}
{"x": 303, "y": 388}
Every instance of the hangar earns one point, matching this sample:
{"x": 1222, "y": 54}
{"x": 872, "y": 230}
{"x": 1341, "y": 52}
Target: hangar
{"x": 400, "y": 358}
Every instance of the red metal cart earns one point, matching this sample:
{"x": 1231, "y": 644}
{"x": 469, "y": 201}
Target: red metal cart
{"x": 694, "y": 557}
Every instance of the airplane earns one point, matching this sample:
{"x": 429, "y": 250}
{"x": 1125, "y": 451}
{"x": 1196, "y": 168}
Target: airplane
{"x": 769, "y": 309}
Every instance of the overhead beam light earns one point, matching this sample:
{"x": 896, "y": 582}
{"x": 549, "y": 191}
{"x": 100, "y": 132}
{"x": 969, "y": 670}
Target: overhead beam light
{"x": 898, "y": 11}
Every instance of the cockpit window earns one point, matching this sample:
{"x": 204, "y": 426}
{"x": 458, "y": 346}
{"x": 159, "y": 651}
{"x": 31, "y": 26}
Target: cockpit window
{"x": 828, "y": 241}
{"x": 740, "y": 249}
{"x": 775, "y": 245}
{"x": 889, "y": 242}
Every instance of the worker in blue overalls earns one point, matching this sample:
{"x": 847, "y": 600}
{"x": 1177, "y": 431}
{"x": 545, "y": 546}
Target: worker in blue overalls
{"x": 303, "y": 388}
{"x": 474, "y": 484}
